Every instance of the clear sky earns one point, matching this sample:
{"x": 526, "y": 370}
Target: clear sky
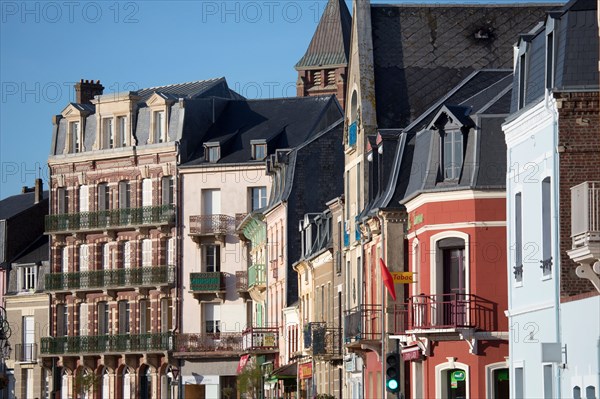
{"x": 46, "y": 46}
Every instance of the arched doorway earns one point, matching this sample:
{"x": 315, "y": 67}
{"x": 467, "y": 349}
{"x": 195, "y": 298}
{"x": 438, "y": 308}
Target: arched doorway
{"x": 145, "y": 383}
{"x": 126, "y": 383}
{"x": 65, "y": 387}
{"x": 105, "y": 384}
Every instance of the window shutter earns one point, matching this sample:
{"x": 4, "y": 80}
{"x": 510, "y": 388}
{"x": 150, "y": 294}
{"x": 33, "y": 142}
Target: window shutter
{"x": 147, "y": 192}
{"x": 84, "y": 199}
{"x": 83, "y": 319}
{"x": 146, "y": 253}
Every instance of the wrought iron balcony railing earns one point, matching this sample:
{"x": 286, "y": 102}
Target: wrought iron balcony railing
{"x": 325, "y": 341}
{"x": 257, "y": 339}
{"x": 518, "y": 272}
{"x": 209, "y": 343}
{"x": 112, "y": 278}
{"x": 114, "y": 218}
{"x": 452, "y": 311}
{"x": 257, "y": 276}
{"x": 123, "y": 343}
{"x": 212, "y": 224}
{"x": 585, "y": 213}
{"x": 363, "y": 323}
{"x": 26, "y": 353}
{"x": 546, "y": 266}
{"x": 207, "y": 282}
{"x": 241, "y": 281}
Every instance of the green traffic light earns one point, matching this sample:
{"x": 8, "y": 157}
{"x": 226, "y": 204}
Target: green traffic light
{"x": 392, "y": 384}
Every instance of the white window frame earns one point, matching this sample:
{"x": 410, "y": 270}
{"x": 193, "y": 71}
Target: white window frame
{"x": 259, "y": 155}
{"x": 122, "y": 131}
{"x": 456, "y": 163}
{"x": 435, "y": 262}
{"x": 27, "y": 277}
{"x": 75, "y": 136}
{"x": 261, "y": 193}
{"x": 439, "y": 381}
{"x": 489, "y": 376}
{"x": 171, "y": 243}
{"x": 108, "y": 132}
{"x": 159, "y": 123}
{"x": 216, "y": 253}
{"x": 212, "y": 152}
{"x": 147, "y": 252}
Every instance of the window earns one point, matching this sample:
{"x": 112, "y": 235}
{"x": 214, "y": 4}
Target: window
{"x": 83, "y": 319}
{"x": 546, "y": 229}
{"x": 171, "y": 251}
{"x": 212, "y": 258}
{"x": 548, "y": 382}
{"x": 166, "y": 314}
{"x": 27, "y": 276}
{"x": 259, "y": 197}
{"x": 259, "y": 151}
{"x": 168, "y": 197}
{"x": 144, "y": 317}
{"x": 106, "y": 258}
{"x": 452, "y": 154}
{"x": 159, "y": 127}
{"x": 103, "y": 197}
{"x": 124, "y": 195}
{"x": 519, "y": 388}
{"x": 124, "y": 317}
{"x": 549, "y": 60}
{"x": 62, "y": 318}
{"x": 28, "y": 353}
{"x": 522, "y": 80}
{"x": 347, "y": 202}
{"x": 212, "y": 153}
{"x": 518, "y": 268}
{"x": 146, "y": 253}
{"x": 211, "y": 202}
{"x": 103, "y": 318}
{"x": 75, "y": 137}
{"x": 62, "y": 197}
{"x": 65, "y": 260}
{"x": 212, "y": 318}
{"x": 126, "y": 253}
{"x": 146, "y": 192}
{"x": 109, "y": 132}
{"x": 122, "y": 130}
{"x": 84, "y": 198}
{"x": 358, "y": 180}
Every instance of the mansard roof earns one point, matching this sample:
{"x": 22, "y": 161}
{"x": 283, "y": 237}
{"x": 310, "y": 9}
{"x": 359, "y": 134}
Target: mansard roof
{"x": 421, "y": 52}
{"x": 330, "y": 44}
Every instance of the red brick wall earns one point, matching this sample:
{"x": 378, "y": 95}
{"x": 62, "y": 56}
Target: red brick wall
{"x": 579, "y": 135}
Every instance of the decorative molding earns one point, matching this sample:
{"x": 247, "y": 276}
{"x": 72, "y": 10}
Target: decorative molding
{"x": 462, "y": 195}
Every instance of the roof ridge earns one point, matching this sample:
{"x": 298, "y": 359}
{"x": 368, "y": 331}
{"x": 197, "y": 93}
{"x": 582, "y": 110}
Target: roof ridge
{"x": 181, "y": 84}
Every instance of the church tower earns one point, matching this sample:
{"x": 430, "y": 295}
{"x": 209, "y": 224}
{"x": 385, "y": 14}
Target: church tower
{"x": 323, "y": 68}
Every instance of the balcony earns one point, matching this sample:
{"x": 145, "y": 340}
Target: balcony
{"x": 189, "y": 346}
{"x": 111, "y": 219}
{"x": 352, "y": 133}
{"x": 325, "y": 341}
{"x": 260, "y": 340}
{"x": 257, "y": 277}
{"x": 106, "y": 344}
{"x": 211, "y": 226}
{"x": 26, "y": 353}
{"x": 450, "y": 312}
{"x": 363, "y": 323}
{"x": 585, "y": 231}
{"x": 137, "y": 277}
{"x": 207, "y": 285}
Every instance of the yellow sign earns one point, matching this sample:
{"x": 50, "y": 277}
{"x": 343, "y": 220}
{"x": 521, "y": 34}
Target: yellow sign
{"x": 402, "y": 277}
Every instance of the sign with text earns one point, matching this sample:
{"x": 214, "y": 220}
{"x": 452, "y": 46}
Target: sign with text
{"x": 305, "y": 370}
{"x": 402, "y": 277}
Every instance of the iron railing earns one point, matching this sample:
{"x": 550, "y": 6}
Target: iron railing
{"x": 363, "y": 323}
{"x": 241, "y": 281}
{"x": 114, "y": 218}
{"x": 209, "y": 342}
{"x": 122, "y": 343}
{"x": 546, "y": 266}
{"x": 352, "y": 133}
{"x": 212, "y": 224}
{"x": 451, "y": 311}
{"x": 325, "y": 341}
{"x": 585, "y": 213}
{"x": 518, "y": 272}
{"x": 207, "y": 282}
{"x": 112, "y": 278}
{"x": 26, "y": 352}
{"x": 257, "y": 275}
{"x": 260, "y": 339}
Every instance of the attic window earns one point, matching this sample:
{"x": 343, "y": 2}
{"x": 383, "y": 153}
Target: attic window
{"x": 159, "y": 127}
{"x": 452, "y": 154}
{"x": 259, "y": 151}
{"x": 75, "y": 137}
{"x": 212, "y": 152}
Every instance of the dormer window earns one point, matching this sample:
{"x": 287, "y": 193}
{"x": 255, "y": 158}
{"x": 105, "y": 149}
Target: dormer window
{"x": 212, "y": 152}
{"x": 159, "y": 127}
{"x": 76, "y": 139}
{"x": 122, "y": 131}
{"x": 27, "y": 276}
{"x": 522, "y": 80}
{"x": 109, "y": 132}
{"x": 549, "y": 60}
{"x": 452, "y": 154}
{"x": 259, "y": 151}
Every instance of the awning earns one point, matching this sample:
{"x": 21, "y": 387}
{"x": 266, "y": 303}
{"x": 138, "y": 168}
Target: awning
{"x": 287, "y": 371}
{"x": 242, "y": 363}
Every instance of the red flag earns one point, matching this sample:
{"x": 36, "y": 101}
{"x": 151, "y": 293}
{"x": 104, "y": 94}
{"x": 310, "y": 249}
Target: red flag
{"x": 387, "y": 278}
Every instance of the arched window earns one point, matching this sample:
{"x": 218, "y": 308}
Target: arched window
{"x": 146, "y": 383}
{"x": 105, "y": 384}
{"x": 65, "y": 388}
{"x": 126, "y": 384}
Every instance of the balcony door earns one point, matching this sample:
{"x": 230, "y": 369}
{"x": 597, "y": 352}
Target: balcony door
{"x": 450, "y": 301}
{"x": 28, "y": 338}
{"x": 84, "y": 265}
{"x": 84, "y": 206}
{"x": 147, "y": 199}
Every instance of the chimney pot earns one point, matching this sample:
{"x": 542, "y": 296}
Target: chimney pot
{"x": 86, "y": 90}
{"x": 39, "y": 189}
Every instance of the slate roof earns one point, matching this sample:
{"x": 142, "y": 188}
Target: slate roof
{"x": 281, "y": 123}
{"x": 575, "y": 58}
{"x": 330, "y": 45}
{"x": 14, "y": 205}
{"x": 422, "y": 51}
{"x": 217, "y": 86}
{"x": 38, "y": 251}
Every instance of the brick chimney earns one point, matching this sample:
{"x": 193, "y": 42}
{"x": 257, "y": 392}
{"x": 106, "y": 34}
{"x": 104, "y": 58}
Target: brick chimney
{"x": 85, "y": 90}
{"x": 39, "y": 191}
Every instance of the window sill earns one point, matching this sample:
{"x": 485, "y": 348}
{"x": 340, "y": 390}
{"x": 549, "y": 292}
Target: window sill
{"x": 350, "y": 149}
{"x": 546, "y": 277}
{"x": 518, "y": 284}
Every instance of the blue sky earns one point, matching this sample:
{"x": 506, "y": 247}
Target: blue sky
{"x": 46, "y": 46}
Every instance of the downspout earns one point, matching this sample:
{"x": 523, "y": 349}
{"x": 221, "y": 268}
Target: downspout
{"x": 383, "y": 302}
{"x": 179, "y": 270}
{"x": 556, "y": 244}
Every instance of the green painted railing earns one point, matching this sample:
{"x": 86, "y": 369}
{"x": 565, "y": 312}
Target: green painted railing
{"x": 207, "y": 282}
{"x": 139, "y": 276}
{"x": 257, "y": 275}
{"x": 147, "y": 215}
{"x": 107, "y": 343}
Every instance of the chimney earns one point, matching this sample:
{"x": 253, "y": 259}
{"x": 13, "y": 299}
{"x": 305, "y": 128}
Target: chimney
{"x": 85, "y": 90}
{"x": 39, "y": 190}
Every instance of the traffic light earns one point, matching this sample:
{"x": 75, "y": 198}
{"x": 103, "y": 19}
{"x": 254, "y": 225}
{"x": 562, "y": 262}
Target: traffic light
{"x": 392, "y": 372}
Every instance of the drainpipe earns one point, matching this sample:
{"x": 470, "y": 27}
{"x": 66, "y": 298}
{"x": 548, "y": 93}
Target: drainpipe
{"x": 383, "y": 302}
{"x": 556, "y": 244}
{"x": 179, "y": 271}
